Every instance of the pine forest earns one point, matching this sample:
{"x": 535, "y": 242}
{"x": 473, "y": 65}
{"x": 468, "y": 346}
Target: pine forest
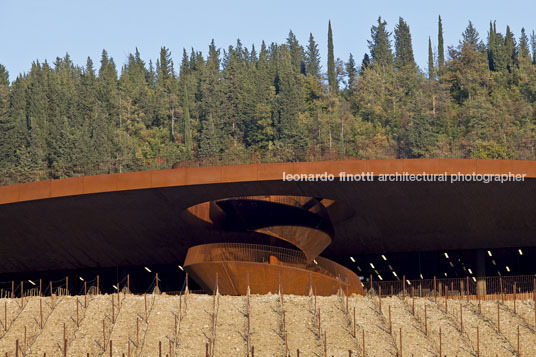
{"x": 273, "y": 103}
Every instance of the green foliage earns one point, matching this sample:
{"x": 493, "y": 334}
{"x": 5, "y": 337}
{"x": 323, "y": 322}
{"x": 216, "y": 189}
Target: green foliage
{"x": 312, "y": 58}
{"x": 431, "y": 67}
{"x": 380, "y": 45}
{"x": 332, "y": 79}
{"x": 440, "y": 47}
{"x": 242, "y": 105}
{"x": 351, "y": 72}
{"x": 404, "y": 58}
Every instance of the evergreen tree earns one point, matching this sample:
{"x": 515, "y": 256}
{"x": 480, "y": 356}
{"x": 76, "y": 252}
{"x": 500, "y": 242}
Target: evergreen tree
{"x": 509, "y": 49}
{"x": 210, "y": 142}
{"x": 380, "y": 45}
{"x": 164, "y": 67}
{"x": 4, "y": 76}
{"x": 492, "y": 47}
{"x": 290, "y": 103}
{"x": 107, "y": 89}
{"x": 234, "y": 79}
{"x": 187, "y": 124}
{"x": 431, "y": 68}
{"x": 365, "y": 63}
{"x": 470, "y": 35}
{"x": 404, "y": 58}
{"x": 352, "y": 74}
{"x": 332, "y": 79}
{"x": 440, "y": 47}
{"x": 260, "y": 133}
{"x": 533, "y": 45}
{"x": 166, "y": 93}
{"x": 312, "y": 58}
{"x": 420, "y": 135}
{"x": 7, "y": 149}
{"x": 296, "y": 53}
{"x": 55, "y": 120}
{"x": 524, "y": 51}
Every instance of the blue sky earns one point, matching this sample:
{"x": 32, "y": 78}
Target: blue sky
{"x": 35, "y": 29}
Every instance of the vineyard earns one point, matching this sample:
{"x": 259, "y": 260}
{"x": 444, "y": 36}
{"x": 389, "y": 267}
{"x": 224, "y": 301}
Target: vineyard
{"x": 155, "y": 324}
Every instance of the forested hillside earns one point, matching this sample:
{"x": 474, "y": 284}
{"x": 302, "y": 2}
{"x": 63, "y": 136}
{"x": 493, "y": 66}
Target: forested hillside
{"x": 273, "y": 102}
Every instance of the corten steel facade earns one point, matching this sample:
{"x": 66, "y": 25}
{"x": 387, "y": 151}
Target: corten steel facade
{"x": 143, "y": 218}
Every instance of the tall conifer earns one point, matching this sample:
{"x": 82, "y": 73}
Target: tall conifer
{"x": 440, "y": 46}
{"x": 312, "y": 58}
{"x": 403, "y": 48}
{"x": 431, "y": 67}
{"x": 332, "y": 79}
{"x": 380, "y": 45}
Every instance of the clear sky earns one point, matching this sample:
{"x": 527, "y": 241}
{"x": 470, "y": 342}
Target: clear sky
{"x": 36, "y": 29}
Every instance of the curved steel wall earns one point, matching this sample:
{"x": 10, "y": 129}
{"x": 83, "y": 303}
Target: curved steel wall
{"x": 233, "y": 267}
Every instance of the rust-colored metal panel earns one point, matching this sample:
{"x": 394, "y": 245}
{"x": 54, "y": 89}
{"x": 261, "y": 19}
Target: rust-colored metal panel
{"x": 320, "y": 167}
{"x": 496, "y": 166}
{"x": 238, "y": 173}
{"x": 274, "y": 171}
{"x": 526, "y": 167}
{"x": 352, "y": 167}
{"x": 310, "y": 241}
{"x": 453, "y": 166}
{"x": 384, "y": 167}
{"x": 167, "y": 178}
{"x": 74, "y": 229}
{"x": 66, "y": 187}
{"x": 258, "y": 172}
{"x": 140, "y": 180}
{"x": 231, "y": 267}
{"x": 203, "y": 175}
{"x": 266, "y": 278}
{"x": 100, "y": 183}
{"x": 9, "y": 194}
{"x": 430, "y": 166}
{"x": 34, "y": 190}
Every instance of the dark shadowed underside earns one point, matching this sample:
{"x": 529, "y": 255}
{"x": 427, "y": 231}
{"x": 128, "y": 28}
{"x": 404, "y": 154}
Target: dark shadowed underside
{"x": 139, "y": 218}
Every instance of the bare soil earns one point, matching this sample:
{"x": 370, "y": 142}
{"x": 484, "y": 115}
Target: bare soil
{"x": 165, "y": 325}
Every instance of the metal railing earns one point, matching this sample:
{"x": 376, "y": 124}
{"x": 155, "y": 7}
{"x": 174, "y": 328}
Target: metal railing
{"x": 257, "y": 253}
{"x": 486, "y": 288}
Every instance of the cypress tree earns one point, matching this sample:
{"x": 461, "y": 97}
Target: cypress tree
{"x": 440, "y": 46}
{"x": 431, "y": 69}
{"x": 312, "y": 58}
{"x": 380, "y": 45}
{"x": 332, "y": 79}
{"x": 403, "y": 48}
{"x": 492, "y": 47}
{"x": 509, "y": 48}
